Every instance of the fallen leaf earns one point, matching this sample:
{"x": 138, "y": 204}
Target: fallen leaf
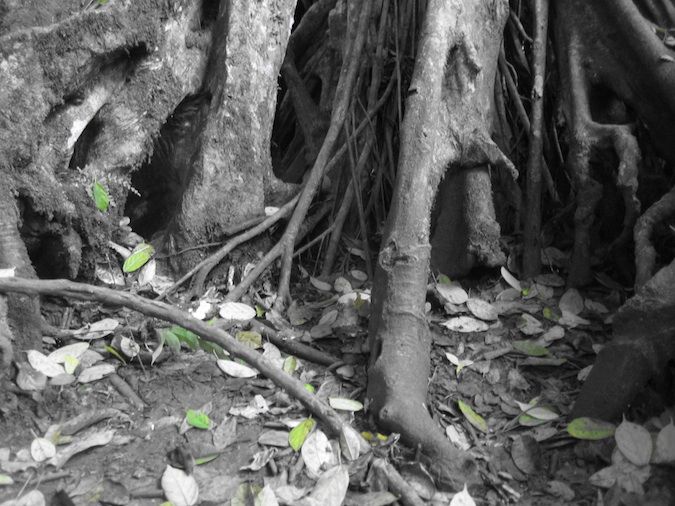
{"x": 482, "y": 309}
{"x": 635, "y": 442}
{"x": 343, "y": 404}
{"x": 235, "y": 369}
{"x": 179, "y": 487}
{"x": 42, "y": 449}
{"x": 472, "y": 417}
{"x": 298, "y": 435}
{"x": 317, "y": 452}
{"x": 590, "y": 429}
{"x": 320, "y": 285}
{"x": 236, "y": 311}
{"x": 452, "y": 292}
{"x": 96, "y": 373}
{"x": 465, "y": 324}
{"x": 664, "y": 450}
{"x": 462, "y": 498}
{"x": 42, "y": 363}
{"x": 512, "y": 281}
{"x": 331, "y": 487}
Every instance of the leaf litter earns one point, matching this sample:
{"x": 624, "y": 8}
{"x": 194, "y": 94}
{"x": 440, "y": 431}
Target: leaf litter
{"x": 509, "y": 359}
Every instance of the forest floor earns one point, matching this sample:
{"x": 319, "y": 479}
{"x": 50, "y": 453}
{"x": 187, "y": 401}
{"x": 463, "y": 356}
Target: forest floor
{"x": 514, "y": 357}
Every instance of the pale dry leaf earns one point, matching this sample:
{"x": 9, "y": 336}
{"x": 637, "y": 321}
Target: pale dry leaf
{"x": 236, "y": 311}
{"x": 512, "y": 281}
{"x": 316, "y": 452}
{"x": 452, "y": 292}
{"x": 101, "y": 438}
{"x": 571, "y": 301}
{"x": 635, "y": 442}
{"x": 331, "y": 487}
{"x": 96, "y": 373}
{"x": 462, "y": 498}
{"x": 664, "y": 451}
{"x": 42, "y": 449}
{"x": 482, "y": 309}
{"x": 42, "y": 363}
{"x": 235, "y": 369}
{"x": 465, "y": 324}
{"x": 179, "y": 487}
{"x": 75, "y": 349}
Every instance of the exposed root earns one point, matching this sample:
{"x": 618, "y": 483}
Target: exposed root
{"x": 645, "y": 254}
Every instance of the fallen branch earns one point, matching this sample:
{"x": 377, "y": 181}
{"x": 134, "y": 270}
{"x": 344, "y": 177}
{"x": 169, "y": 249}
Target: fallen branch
{"x": 81, "y": 291}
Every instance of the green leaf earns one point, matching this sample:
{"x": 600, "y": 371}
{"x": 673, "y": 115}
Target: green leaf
{"x": 207, "y": 458}
{"x": 115, "y": 353}
{"x": 443, "y": 279}
{"x": 310, "y": 388}
{"x": 250, "y": 338}
{"x": 102, "y": 2}
{"x": 525, "y": 292}
{"x": 590, "y": 429}
{"x": 530, "y": 348}
{"x": 472, "y": 417}
{"x": 101, "y": 198}
{"x": 138, "y": 258}
{"x": 549, "y": 314}
{"x": 290, "y": 364}
{"x": 186, "y": 336}
{"x": 170, "y": 339}
{"x": 212, "y": 348}
{"x": 6, "y": 480}
{"x": 527, "y": 420}
{"x": 197, "y": 419}
{"x": 297, "y": 436}
{"x": 259, "y": 311}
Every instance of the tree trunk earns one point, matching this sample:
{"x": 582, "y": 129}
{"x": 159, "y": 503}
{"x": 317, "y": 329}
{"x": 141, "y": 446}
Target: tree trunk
{"x": 446, "y": 126}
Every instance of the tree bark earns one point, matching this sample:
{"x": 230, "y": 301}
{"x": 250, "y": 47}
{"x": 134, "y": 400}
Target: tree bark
{"x": 446, "y": 124}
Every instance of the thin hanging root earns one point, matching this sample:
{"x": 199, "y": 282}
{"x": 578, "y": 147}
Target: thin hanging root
{"x": 203, "y": 268}
{"x": 343, "y": 212}
{"x": 345, "y": 86}
{"x": 532, "y": 246}
{"x": 276, "y": 250}
{"x": 375, "y": 81}
{"x": 525, "y": 120}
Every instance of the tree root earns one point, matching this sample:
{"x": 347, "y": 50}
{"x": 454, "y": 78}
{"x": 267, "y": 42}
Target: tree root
{"x": 345, "y": 85}
{"x": 203, "y": 268}
{"x": 645, "y": 254}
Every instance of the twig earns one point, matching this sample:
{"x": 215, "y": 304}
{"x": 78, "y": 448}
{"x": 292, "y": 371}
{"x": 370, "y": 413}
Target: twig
{"x": 154, "y": 308}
